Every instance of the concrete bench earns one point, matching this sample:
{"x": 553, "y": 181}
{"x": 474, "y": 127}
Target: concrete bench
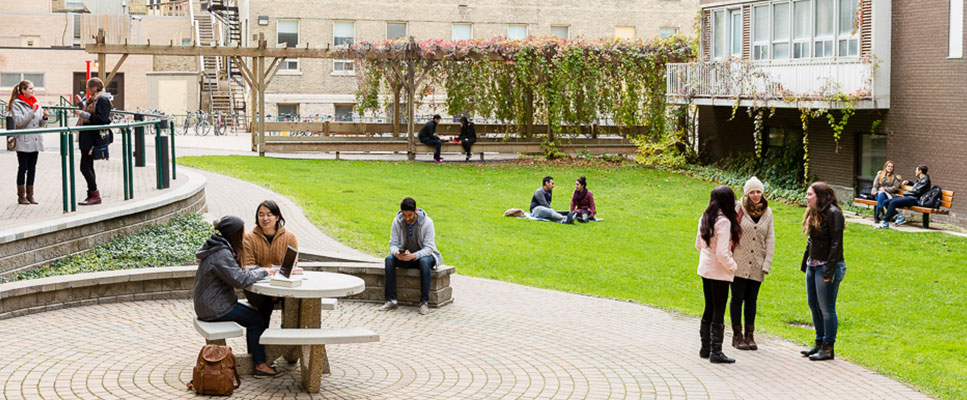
{"x": 374, "y": 274}
{"x": 327, "y": 304}
{"x": 217, "y": 332}
{"x": 315, "y": 362}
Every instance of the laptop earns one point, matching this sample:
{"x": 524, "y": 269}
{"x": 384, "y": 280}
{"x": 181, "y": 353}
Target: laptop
{"x": 288, "y": 262}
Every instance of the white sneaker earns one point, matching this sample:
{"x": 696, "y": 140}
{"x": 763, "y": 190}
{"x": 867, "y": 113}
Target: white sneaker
{"x": 882, "y": 225}
{"x": 900, "y": 221}
{"x": 389, "y": 305}
{"x": 424, "y": 309}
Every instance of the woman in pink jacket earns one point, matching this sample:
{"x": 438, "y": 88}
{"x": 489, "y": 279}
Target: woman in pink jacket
{"x": 718, "y": 234}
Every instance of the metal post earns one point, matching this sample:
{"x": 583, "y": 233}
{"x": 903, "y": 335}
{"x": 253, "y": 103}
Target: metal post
{"x": 157, "y": 154}
{"x": 139, "y": 156}
{"x": 63, "y": 170}
{"x": 131, "y": 161}
{"x": 124, "y": 160}
{"x": 70, "y": 152}
{"x": 171, "y": 137}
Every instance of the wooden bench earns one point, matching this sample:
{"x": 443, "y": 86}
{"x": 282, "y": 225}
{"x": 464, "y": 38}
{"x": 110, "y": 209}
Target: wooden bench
{"x": 313, "y": 343}
{"x": 944, "y": 209}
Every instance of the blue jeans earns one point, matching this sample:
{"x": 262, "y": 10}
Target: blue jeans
{"x": 898, "y": 202}
{"x": 435, "y": 143}
{"x": 547, "y": 213}
{"x": 425, "y": 264}
{"x": 880, "y": 199}
{"x": 821, "y": 297}
{"x": 254, "y": 326}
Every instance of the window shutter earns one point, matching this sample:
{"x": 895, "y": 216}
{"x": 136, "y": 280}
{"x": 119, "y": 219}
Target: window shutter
{"x": 706, "y": 35}
{"x": 746, "y": 32}
{"x": 866, "y": 27}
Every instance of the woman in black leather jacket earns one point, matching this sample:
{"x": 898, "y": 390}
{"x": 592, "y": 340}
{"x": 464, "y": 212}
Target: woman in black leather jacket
{"x": 823, "y": 264}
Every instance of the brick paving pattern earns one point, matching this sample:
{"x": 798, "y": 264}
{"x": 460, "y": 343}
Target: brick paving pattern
{"x": 498, "y": 340}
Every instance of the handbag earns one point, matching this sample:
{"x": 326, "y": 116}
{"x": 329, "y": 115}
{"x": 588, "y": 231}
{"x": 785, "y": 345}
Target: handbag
{"x": 867, "y": 193}
{"x": 100, "y": 153}
{"x": 11, "y": 140}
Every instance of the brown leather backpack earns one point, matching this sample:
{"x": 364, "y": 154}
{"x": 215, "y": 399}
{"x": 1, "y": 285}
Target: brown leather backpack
{"x": 215, "y": 371}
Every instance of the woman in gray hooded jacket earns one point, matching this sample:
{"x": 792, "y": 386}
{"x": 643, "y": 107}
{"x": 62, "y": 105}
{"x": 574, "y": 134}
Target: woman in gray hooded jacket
{"x": 27, "y": 114}
{"x": 216, "y": 279}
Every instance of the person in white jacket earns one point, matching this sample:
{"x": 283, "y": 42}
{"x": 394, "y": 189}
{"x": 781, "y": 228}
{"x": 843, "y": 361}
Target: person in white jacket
{"x": 753, "y": 258}
{"x": 27, "y": 114}
{"x": 718, "y": 234}
{"x": 412, "y": 244}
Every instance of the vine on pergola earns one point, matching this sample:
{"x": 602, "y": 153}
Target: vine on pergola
{"x": 565, "y": 84}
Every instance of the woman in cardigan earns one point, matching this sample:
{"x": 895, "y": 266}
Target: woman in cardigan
{"x": 718, "y": 234}
{"x": 96, "y": 112}
{"x": 582, "y": 201}
{"x": 264, "y": 247}
{"x": 27, "y": 114}
{"x": 824, "y": 265}
{"x": 885, "y": 186}
{"x": 753, "y": 259}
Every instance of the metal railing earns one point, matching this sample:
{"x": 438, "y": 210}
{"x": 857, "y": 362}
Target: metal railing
{"x": 771, "y": 79}
{"x": 128, "y": 132}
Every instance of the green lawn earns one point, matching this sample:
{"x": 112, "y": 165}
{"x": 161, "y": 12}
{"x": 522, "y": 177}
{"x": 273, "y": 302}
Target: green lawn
{"x": 901, "y": 305}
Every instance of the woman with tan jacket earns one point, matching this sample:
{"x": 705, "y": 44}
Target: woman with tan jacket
{"x": 753, "y": 258}
{"x": 264, "y": 246}
{"x": 885, "y": 187}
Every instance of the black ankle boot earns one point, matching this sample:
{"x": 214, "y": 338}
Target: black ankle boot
{"x": 716, "y": 356}
{"x": 704, "y": 331}
{"x": 814, "y": 350}
{"x": 825, "y": 353}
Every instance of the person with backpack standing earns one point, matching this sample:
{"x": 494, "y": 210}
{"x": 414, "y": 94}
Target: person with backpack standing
{"x": 910, "y": 198}
{"x": 718, "y": 235}
{"x": 27, "y": 114}
{"x": 95, "y": 112}
{"x": 753, "y": 258}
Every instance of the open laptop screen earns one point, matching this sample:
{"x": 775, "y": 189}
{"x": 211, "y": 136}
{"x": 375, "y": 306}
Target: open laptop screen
{"x": 288, "y": 263}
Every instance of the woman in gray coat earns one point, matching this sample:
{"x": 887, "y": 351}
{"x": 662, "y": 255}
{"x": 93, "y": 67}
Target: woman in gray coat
{"x": 27, "y": 114}
{"x": 753, "y": 258}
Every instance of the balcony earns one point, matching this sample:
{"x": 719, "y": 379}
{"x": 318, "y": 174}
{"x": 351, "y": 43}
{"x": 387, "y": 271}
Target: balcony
{"x": 814, "y": 83}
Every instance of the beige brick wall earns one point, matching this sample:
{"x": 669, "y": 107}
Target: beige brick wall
{"x": 316, "y": 88}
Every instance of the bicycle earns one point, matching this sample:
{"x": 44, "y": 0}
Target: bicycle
{"x": 204, "y": 124}
{"x": 218, "y": 123}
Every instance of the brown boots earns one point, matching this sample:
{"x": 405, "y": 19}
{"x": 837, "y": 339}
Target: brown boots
{"x": 22, "y": 195}
{"x": 746, "y": 341}
{"x": 93, "y": 197}
{"x": 30, "y": 194}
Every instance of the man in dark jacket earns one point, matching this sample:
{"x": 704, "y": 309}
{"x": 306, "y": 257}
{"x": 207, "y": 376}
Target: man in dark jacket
{"x": 541, "y": 202}
{"x": 428, "y": 137}
{"x": 910, "y": 198}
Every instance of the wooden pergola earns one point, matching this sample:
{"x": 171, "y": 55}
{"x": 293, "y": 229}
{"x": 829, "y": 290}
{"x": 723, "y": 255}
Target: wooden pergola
{"x": 252, "y": 64}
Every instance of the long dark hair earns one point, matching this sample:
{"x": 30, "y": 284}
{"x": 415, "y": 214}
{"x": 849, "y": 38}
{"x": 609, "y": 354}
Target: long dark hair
{"x": 274, "y": 209}
{"x": 825, "y": 198}
{"x": 235, "y": 240}
{"x": 722, "y": 200}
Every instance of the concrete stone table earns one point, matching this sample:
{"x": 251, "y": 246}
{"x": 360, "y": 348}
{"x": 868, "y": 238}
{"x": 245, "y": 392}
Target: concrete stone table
{"x": 303, "y": 310}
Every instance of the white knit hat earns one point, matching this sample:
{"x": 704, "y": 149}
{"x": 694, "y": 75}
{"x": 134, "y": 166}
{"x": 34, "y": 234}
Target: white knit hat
{"x": 753, "y": 184}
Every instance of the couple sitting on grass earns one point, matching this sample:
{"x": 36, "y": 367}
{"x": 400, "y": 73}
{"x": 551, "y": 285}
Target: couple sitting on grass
{"x": 582, "y": 203}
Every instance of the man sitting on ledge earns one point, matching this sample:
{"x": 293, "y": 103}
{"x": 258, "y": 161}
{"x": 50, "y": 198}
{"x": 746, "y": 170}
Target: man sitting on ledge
{"x": 411, "y": 245}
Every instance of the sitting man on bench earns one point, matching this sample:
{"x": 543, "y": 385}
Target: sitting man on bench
{"x": 428, "y": 137}
{"x": 411, "y": 245}
{"x": 910, "y": 198}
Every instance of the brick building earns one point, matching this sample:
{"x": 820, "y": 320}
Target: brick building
{"x": 902, "y": 62}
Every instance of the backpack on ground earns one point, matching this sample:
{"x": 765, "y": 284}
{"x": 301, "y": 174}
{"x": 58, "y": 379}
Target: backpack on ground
{"x": 932, "y": 198}
{"x": 215, "y": 373}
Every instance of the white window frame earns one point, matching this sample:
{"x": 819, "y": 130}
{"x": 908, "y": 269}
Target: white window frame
{"x": 789, "y": 25}
{"x": 851, "y": 38}
{"x": 352, "y": 114}
{"x": 42, "y": 86}
{"x": 566, "y": 27}
{"x": 509, "y": 26}
{"x": 761, "y": 50}
{"x": 825, "y": 40}
{"x": 453, "y": 32}
{"x": 797, "y": 49}
{"x": 727, "y": 13}
{"x": 664, "y": 31}
{"x": 406, "y": 28}
{"x": 955, "y": 40}
{"x": 289, "y": 65}
{"x": 735, "y": 37}
{"x": 343, "y": 67}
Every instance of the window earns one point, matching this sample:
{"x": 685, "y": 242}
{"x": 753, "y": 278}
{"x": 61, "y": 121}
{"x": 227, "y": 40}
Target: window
{"x": 287, "y": 111}
{"x": 288, "y": 33}
{"x": 461, "y": 31}
{"x": 823, "y": 29}
{"x": 10, "y": 79}
{"x": 956, "y": 35}
{"x": 800, "y": 37}
{"x": 344, "y": 112}
{"x": 343, "y": 33}
{"x": 343, "y": 67}
{"x": 561, "y": 31}
{"x": 186, "y": 42}
{"x": 720, "y": 29}
{"x": 77, "y": 30}
{"x": 760, "y": 33}
{"x": 735, "y": 33}
{"x": 849, "y": 43}
{"x": 395, "y": 30}
{"x": 74, "y": 5}
{"x": 780, "y": 30}
{"x": 782, "y": 137}
{"x": 666, "y": 32}
{"x": 871, "y": 158}
{"x": 624, "y": 32}
{"x": 516, "y": 31}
